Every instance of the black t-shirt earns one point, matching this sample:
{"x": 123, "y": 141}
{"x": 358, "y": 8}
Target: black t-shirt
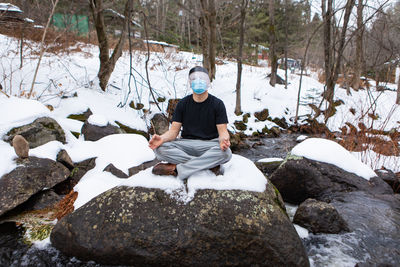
{"x": 199, "y": 120}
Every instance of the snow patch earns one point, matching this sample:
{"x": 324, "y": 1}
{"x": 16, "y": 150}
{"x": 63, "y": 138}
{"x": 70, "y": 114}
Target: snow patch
{"x": 328, "y": 151}
{"x": 98, "y": 120}
{"x": 266, "y": 160}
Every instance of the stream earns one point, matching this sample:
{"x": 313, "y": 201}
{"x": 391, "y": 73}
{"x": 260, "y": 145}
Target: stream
{"x": 323, "y": 249}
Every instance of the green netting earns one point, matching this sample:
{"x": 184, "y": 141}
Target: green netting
{"x": 78, "y": 23}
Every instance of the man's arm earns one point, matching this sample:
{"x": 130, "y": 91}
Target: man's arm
{"x": 171, "y": 134}
{"x": 224, "y": 138}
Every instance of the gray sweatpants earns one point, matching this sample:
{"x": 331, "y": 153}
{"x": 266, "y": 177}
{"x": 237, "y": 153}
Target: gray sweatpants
{"x": 192, "y": 155}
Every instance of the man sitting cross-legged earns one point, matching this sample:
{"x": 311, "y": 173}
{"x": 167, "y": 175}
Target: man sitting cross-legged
{"x": 205, "y": 138}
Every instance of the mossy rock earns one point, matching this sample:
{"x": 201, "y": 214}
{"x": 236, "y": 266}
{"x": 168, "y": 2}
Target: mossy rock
{"x": 76, "y": 134}
{"x": 137, "y": 106}
{"x": 237, "y": 141}
{"x": 127, "y": 129}
{"x": 244, "y": 227}
{"x": 39, "y": 132}
{"x": 246, "y": 117}
{"x": 275, "y": 131}
{"x": 262, "y": 115}
{"x": 161, "y": 99}
{"x": 268, "y": 167}
{"x": 240, "y": 125}
{"x": 82, "y": 116}
{"x": 281, "y": 122}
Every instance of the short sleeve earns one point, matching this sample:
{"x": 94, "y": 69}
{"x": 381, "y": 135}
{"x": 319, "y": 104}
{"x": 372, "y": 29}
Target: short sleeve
{"x": 221, "y": 117}
{"x": 178, "y": 112}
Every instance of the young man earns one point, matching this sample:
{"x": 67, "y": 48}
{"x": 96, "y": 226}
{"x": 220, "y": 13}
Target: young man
{"x": 205, "y": 138}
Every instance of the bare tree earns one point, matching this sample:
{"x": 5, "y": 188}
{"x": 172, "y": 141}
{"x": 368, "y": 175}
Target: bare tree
{"x": 213, "y": 37}
{"x": 42, "y": 48}
{"x": 208, "y": 23}
{"x": 240, "y": 56}
{"x": 107, "y": 62}
{"x": 398, "y": 86}
{"x": 359, "y": 45}
{"x": 332, "y": 65}
{"x": 272, "y": 45}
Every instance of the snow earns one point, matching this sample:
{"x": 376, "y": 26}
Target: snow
{"x": 122, "y": 16}
{"x": 19, "y": 111}
{"x": 42, "y": 244}
{"x": 239, "y": 173}
{"x": 301, "y": 138}
{"x": 160, "y": 43}
{"x": 301, "y": 231}
{"x": 9, "y": 7}
{"x": 48, "y": 150}
{"x": 97, "y": 120}
{"x": 266, "y": 160}
{"x": 331, "y": 152}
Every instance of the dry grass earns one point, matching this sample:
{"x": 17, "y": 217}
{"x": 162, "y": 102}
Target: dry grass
{"x": 66, "y": 205}
{"x": 61, "y": 41}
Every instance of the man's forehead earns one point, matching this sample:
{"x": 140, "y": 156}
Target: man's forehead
{"x": 199, "y": 75}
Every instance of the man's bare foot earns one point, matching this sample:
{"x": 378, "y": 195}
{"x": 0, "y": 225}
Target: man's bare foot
{"x": 165, "y": 169}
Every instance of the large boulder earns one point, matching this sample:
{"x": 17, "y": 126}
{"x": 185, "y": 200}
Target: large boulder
{"x": 94, "y": 132}
{"x": 147, "y": 227}
{"x": 300, "y": 178}
{"x": 39, "y": 132}
{"x": 79, "y": 170}
{"x": 30, "y": 177}
{"x": 160, "y": 123}
{"x": 390, "y": 178}
{"x": 143, "y": 166}
{"x": 268, "y": 166}
{"x": 319, "y": 217}
{"x": 369, "y": 208}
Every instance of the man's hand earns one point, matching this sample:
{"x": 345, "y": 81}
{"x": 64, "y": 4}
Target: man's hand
{"x": 224, "y": 144}
{"x": 171, "y": 134}
{"x": 155, "y": 141}
{"x": 224, "y": 138}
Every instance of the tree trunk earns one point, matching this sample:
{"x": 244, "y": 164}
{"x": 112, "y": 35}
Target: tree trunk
{"x": 272, "y": 46}
{"x": 342, "y": 41}
{"x": 208, "y": 23}
{"x": 286, "y": 42}
{"x": 165, "y": 5}
{"x": 213, "y": 38}
{"x": 158, "y": 16}
{"x": 359, "y": 45}
{"x": 327, "y": 18}
{"x": 398, "y": 85}
{"x": 107, "y": 63}
{"x": 204, "y": 24}
{"x": 332, "y": 71}
{"x": 238, "y": 108}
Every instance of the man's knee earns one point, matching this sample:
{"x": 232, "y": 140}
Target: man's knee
{"x": 161, "y": 151}
{"x": 227, "y": 154}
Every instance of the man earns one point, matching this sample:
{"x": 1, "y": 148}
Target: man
{"x": 205, "y": 138}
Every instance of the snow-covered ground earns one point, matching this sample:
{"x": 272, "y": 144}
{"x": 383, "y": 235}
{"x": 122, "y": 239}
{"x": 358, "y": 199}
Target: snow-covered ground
{"x": 66, "y": 74}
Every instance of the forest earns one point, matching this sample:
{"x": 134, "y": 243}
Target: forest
{"x": 344, "y": 40}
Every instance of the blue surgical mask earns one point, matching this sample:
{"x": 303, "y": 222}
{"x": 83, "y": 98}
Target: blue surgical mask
{"x": 199, "y": 86}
